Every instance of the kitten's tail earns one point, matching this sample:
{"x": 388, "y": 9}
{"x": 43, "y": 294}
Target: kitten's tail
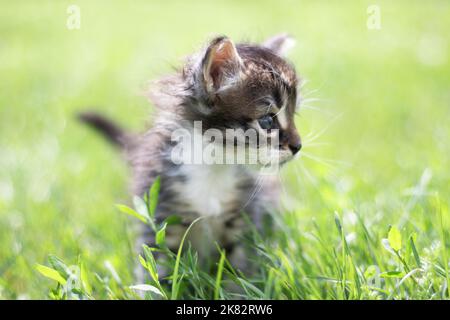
{"x": 112, "y": 132}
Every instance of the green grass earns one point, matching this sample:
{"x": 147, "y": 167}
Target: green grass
{"x": 375, "y": 163}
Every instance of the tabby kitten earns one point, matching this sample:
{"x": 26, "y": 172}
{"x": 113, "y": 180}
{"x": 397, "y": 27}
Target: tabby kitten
{"x": 224, "y": 86}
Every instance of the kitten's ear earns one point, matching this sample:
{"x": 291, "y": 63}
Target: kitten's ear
{"x": 221, "y": 65}
{"x": 280, "y": 44}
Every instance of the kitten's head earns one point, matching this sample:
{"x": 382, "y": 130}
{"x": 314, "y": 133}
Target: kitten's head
{"x": 247, "y": 87}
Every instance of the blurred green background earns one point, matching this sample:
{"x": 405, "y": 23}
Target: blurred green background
{"x": 375, "y": 122}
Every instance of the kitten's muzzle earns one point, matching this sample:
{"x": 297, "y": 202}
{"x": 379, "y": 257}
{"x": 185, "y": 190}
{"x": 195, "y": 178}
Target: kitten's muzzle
{"x": 291, "y": 139}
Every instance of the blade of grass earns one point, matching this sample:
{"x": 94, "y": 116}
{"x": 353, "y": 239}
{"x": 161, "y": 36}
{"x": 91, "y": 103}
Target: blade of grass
{"x": 219, "y": 275}
{"x": 444, "y": 242}
{"x": 175, "y": 282}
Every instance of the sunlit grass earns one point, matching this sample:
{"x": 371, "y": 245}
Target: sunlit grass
{"x": 374, "y": 123}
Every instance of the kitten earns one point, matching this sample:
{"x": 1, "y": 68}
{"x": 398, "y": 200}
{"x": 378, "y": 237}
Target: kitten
{"x": 224, "y": 86}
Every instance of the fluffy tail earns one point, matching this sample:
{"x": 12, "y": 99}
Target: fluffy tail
{"x": 106, "y": 127}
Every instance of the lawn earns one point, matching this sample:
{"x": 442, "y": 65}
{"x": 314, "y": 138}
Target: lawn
{"x": 365, "y": 207}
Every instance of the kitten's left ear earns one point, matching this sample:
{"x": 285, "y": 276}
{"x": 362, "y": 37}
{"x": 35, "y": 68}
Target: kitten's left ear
{"x": 221, "y": 64}
{"x": 280, "y": 44}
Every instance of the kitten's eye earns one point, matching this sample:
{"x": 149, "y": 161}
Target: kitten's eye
{"x": 268, "y": 103}
{"x": 266, "y": 122}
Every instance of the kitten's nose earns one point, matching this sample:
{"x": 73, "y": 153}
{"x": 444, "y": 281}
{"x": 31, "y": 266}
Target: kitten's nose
{"x": 295, "y": 147}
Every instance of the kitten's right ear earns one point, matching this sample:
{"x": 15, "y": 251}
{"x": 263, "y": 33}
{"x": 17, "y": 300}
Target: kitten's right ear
{"x": 280, "y": 44}
{"x": 221, "y": 64}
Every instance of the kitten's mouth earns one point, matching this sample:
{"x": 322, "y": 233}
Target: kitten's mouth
{"x": 286, "y": 156}
{"x": 285, "y": 160}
